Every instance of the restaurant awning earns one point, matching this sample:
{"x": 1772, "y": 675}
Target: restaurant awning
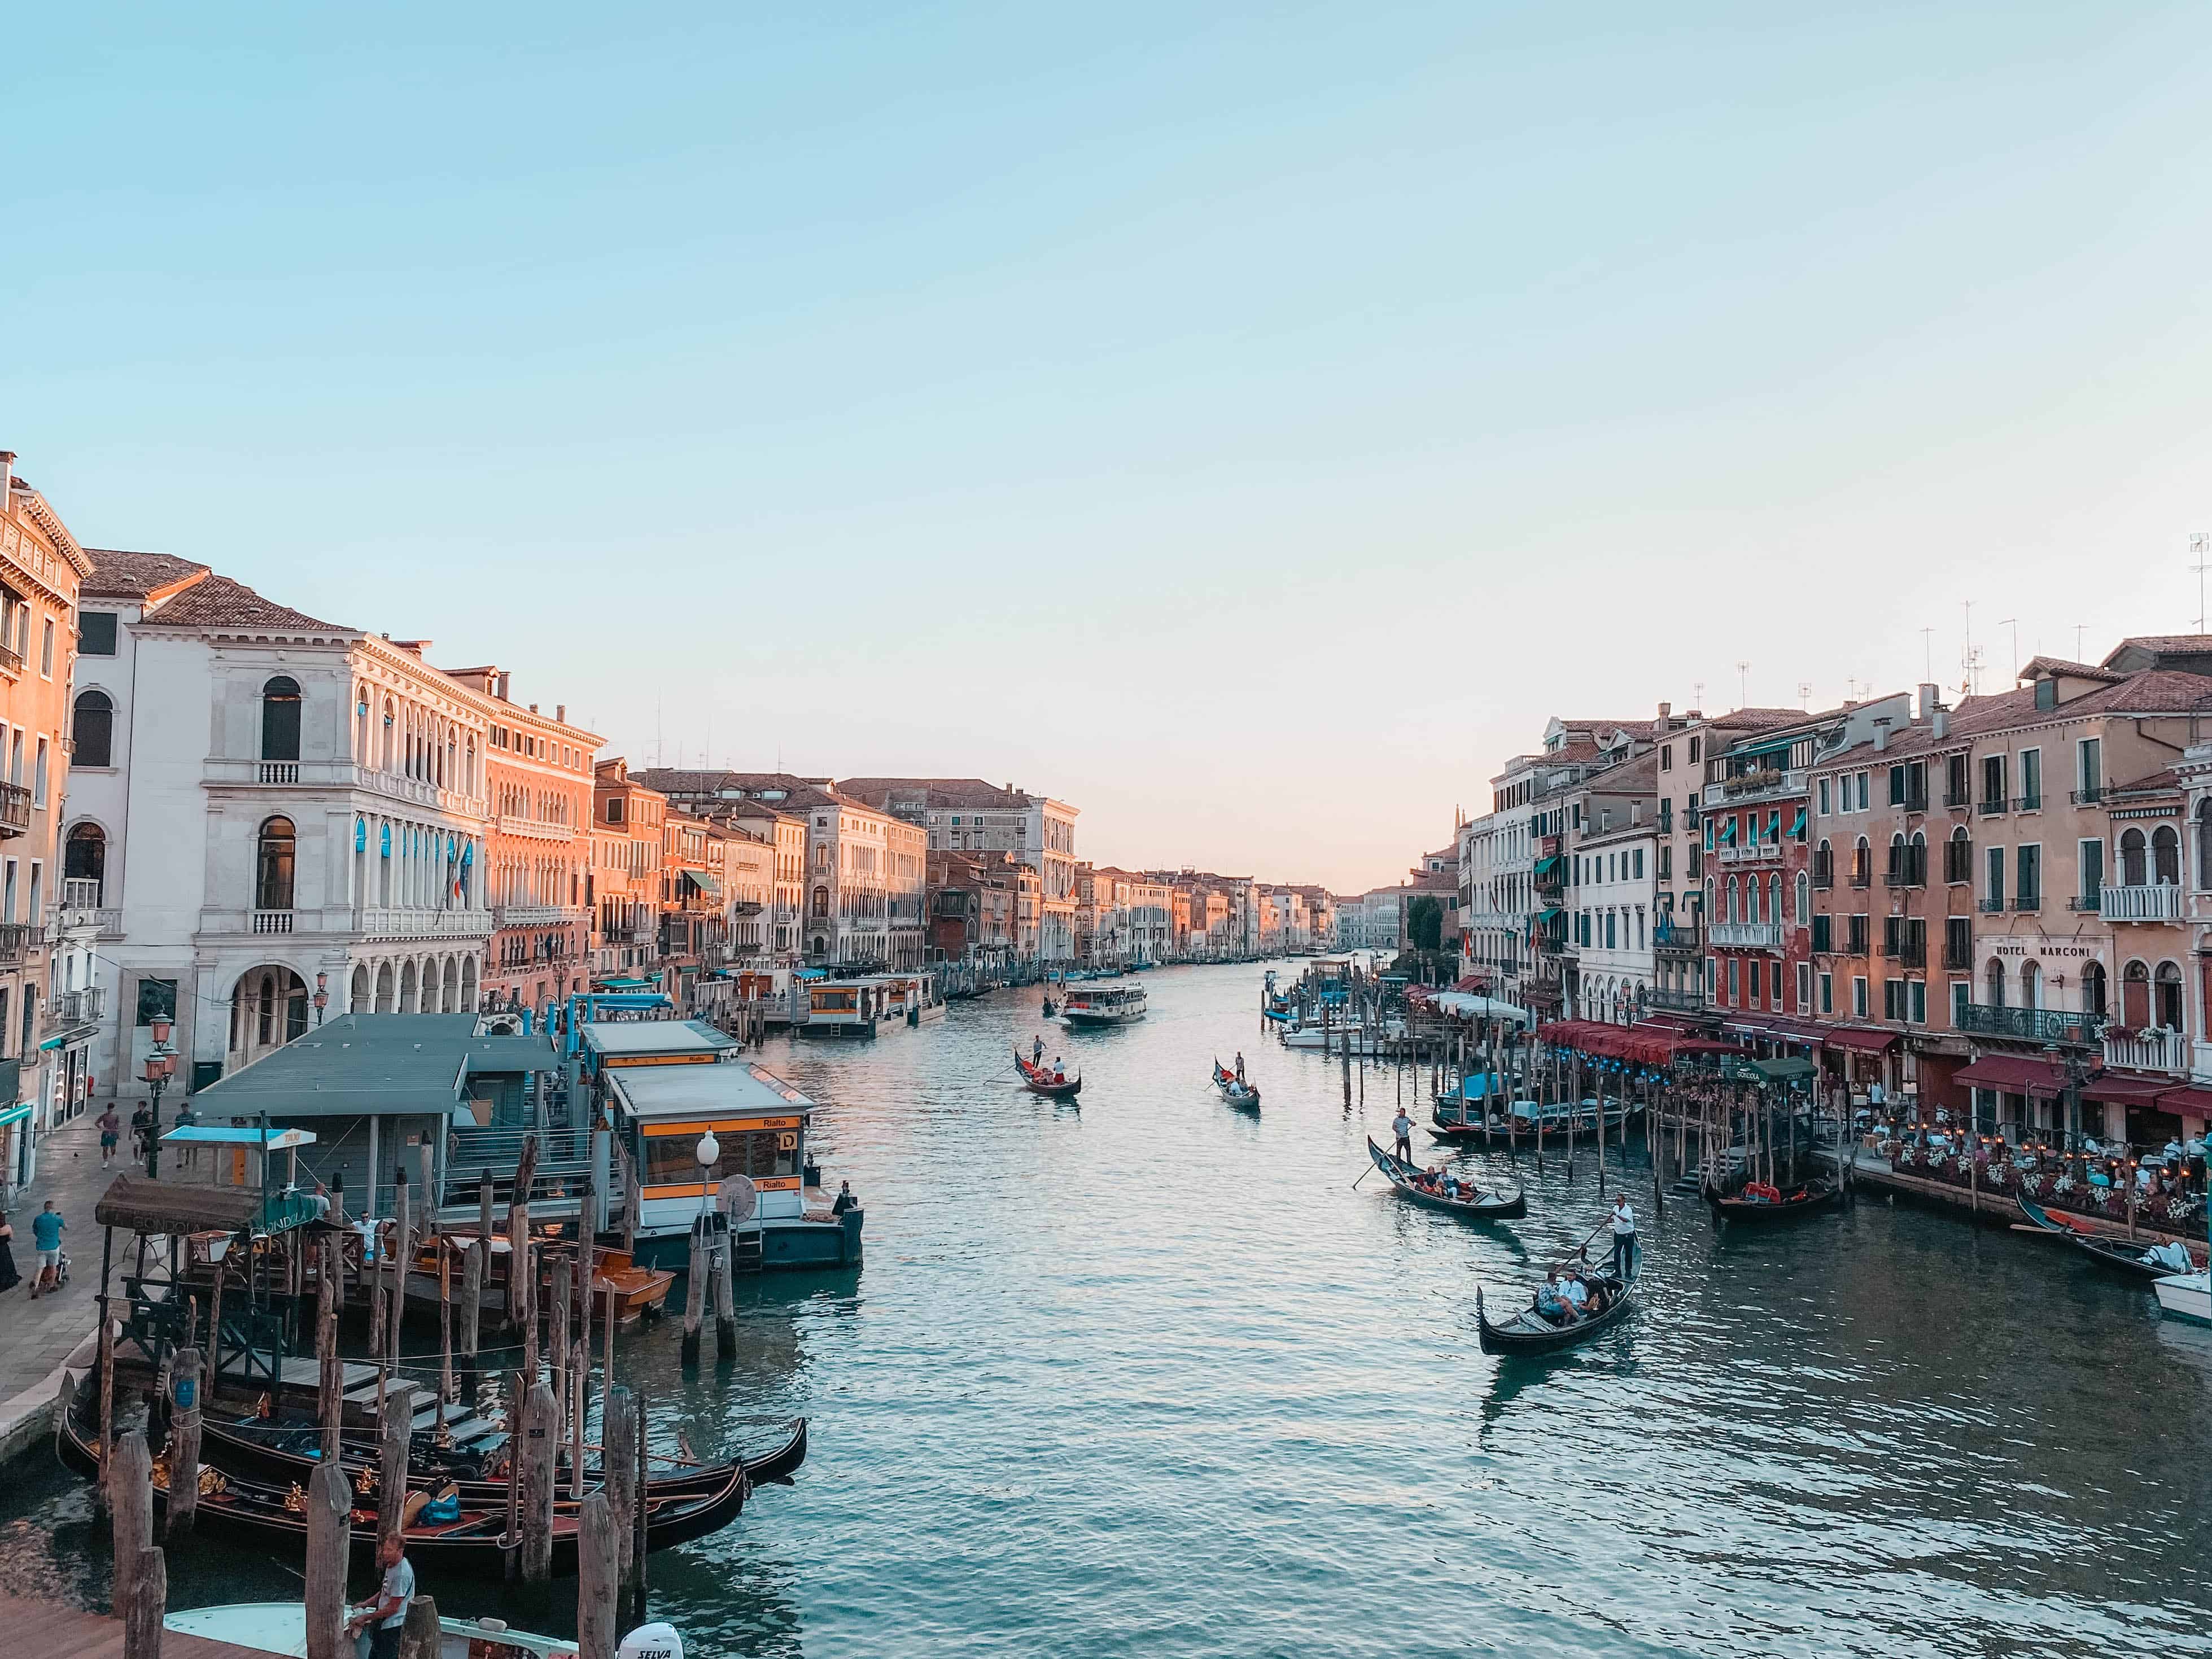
{"x": 2126, "y": 1088}
{"x": 1860, "y": 1042}
{"x": 2193, "y": 1102}
{"x": 1792, "y": 1068}
{"x": 2012, "y": 1075}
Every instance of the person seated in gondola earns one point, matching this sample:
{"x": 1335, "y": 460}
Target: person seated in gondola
{"x": 1550, "y": 1304}
{"x": 1601, "y": 1299}
{"x": 1576, "y": 1293}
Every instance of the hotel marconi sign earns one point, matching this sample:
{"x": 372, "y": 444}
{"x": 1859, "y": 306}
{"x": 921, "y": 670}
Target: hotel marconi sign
{"x": 2051, "y": 955}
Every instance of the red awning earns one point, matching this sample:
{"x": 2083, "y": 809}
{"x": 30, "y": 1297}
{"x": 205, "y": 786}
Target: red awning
{"x": 1641, "y": 1045}
{"x": 2012, "y": 1075}
{"x": 2195, "y": 1103}
{"x": 2126, "y": 1088}
{"x": 1471, "y": 983}
{"x": 1861, "y": 1040}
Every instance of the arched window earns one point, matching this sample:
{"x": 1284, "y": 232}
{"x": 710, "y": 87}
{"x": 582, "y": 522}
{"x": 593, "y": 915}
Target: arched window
{"x": 1993, "y": 991}
{"x": 2134, "y": 864}
{"x": 1896, "y": 858}
{"x": 84, "y": 855}
{"x": 1804, "y": 916}
{"x": 2031, "y": 985}
{"x": 2168, "y": 1000}
{"x": 2092, "y": 988}
{"x": 272, "y": 883}
{"x": 1728, "y": 901}
{"x": 93, "y": 728}
{"x": 2135, "y": 996}
{"x": 2166, "y": 855}
{"x": 2204, "y": 845}
{"x": 1861, "y": 863}
{"x": 1774, "y": 898}
{"x": 822, "y": 901}
{"x": 280, "y": 718}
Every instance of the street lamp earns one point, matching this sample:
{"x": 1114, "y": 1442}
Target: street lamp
{"x": 160, "y": 1066}
{"x": 710, "y": 1153}
{"x": 322, "y": 995}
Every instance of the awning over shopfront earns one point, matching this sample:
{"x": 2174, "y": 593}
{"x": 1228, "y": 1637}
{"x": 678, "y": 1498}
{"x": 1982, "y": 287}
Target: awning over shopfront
{"x": 1860, "y": 1042}
{"x": 2187, "y": 1102}
{"x": 1792, "y": 1068}
{"x": 1642, "y": 1045}
{"x": 2012, "y": 1075}
{"x": 2127, "y": 1089}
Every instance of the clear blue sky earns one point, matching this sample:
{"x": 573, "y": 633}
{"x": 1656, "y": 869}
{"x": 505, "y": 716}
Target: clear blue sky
{"x": 1247, "y": 425}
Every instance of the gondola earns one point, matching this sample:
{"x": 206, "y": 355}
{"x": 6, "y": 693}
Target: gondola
{"x": 1808, "y": 1200}
{"x": 1244, "y": 1096}
{"x": 469, "y": 1540}
{"x": 1038, "y": 1081}
{"x": 1528, "y": 1333}
{"x": 289, "y": 1449}
{"x": 1485, "y": 1206}
{"x": 2135, "y": 1260}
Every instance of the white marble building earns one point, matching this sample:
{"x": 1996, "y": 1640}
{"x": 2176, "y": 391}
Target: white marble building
{"x": 291, "y": 823}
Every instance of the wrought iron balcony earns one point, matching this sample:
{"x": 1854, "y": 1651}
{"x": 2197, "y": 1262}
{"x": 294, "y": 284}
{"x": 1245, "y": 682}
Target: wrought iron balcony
{"x": 15, "y": 940}
{"x": 2089, "y": 902}
{"x": 1957, "y": 801}
{"x": 2032, "y": 1024}
{"x": 1990, "y": 809}
{"x": 15, "y": 809}
{"x": 2027, "y": 804}
{"x": 2093, "y": 796}
{"x": 1682, "y": 938}
{"x": 1991, "y": 906}
{"x": 1680, "y": 1001}
{"x": 1823, "y": 868}
{"x": 2158, "y": 902}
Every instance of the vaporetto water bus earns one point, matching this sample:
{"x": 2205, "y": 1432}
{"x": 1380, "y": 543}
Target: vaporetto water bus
{"x": 666, "y": 1085}
{"x": 1121, "y": 1003}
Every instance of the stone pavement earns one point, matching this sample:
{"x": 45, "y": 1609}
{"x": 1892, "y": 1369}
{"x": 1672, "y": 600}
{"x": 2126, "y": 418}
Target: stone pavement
{"x": 36, "y": 1337}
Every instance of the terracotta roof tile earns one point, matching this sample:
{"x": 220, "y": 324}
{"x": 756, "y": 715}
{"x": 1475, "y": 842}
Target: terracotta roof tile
{"x": 118, "y": 574}
{"x": 219, "y": 602}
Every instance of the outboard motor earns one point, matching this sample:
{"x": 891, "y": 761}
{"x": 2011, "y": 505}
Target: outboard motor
{"x": 651, "y": 1642}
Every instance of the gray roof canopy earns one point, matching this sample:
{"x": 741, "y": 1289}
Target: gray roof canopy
{"x": 373, "y": 1066}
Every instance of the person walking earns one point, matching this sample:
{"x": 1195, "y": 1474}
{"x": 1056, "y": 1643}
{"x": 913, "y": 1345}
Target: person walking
{"x": 1402, "y": 1126}
{"x": 111, "y": 1132}
{"x": 1624, "y": 1238}
{"x": 384, "y": 1615}
{"x": 47, "y": 1235}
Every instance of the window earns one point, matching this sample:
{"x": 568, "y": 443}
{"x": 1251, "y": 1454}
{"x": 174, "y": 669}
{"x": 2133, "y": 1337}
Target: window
{"x": 2092, "y": 988}
{"x": 1958, "y": 857}
{"x": 84, "y": 854}
{"x": 822, "y": 902}
{"x": 95, "y": 633}
{"x": 1862, "y": 792}
{"x": 1993, "y": 983}
{"x": 1804, "y": 896}
{"x": 1916, "y": 1007}
{"x": 1962, "y": 993}
{"x": 2203, "y": 845}
{"x": 2134, "y": 863}
{"x": 280, "y": 718}
{"x": 1828, "y": 994}
{"x": 1993, "y": 893}
{"x": 272, "y": 886}
{"x": 47, "y": 648}
{"x": 1756, "y": 993}
{"x": 1860, "y": 925}
{"x": 39, "y": 776}
{"x": 1993, "y": 783}
{"x": 1667, "y": 757}
{"x": 2168, "y": 984}
{"x": 2166, "y": 856}
{"x": 1892, "y": 998}
{"x": 2031, "y": 779}
{"x": 614, "y": 809}
{"x": 1956, "y": 790}
{"x": 1858, "y": 996}
{"x": 1735, "y": 964}
{"x": 2089, "y": 764}
{"x": 2135, "y": 996}
{"x": 93, "y": 726}
{"x": 1823, "y": 808}
{"x": 2028, "y": 878}
{"x": 1804, "y": 985}
{"x": 1958, "y": 942}
{"x": 1695, "y": 744}
{"x": 1824, "y": 933}
{"x": 1896, "y": 799}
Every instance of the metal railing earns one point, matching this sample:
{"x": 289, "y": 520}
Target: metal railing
{"x": 2031, "y": 1024}
{"x": 1681, "y": 936}
{"x": 2027, "y": 803}
{"x": 85, "y": 1007}
{"x": 1990, "y": 809}
{"x": 1958, "y": 800}
{"x": 2158, "y": 902}
{"x": 2089, "y": 902}
{"x": 15, "y": 809}
{"x": 1913, "y": 803}
{"x": 2091, "y": 796}
{"x": 1991, "y": 906}
{"x": 1823, "y": 868}
{"x": 15, "y": 940}
{"x": 1682, "y": 1002}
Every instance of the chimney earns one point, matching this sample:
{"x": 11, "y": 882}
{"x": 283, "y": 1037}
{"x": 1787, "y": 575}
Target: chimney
{"x": 1930, "y": 693}
{"x": 561, "y": 712}
{"x": 6, "y": 474}
{"x": 1880, "y": 735}
{"x": 1942, "y": 722}
{"x": 533, "y": 708}
{"x": 1665, "y": 710}
{"x": 504, "y": 677}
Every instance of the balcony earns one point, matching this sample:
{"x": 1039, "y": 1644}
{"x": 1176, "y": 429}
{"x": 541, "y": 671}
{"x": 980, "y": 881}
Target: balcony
{"x": 2032, "y": 1024}
{"x": 1914, "y": 803}
{"x": 272, "y": 922}
{"x": 1957, "y": 961}
{"x": 1990, "y": 809}
{"x": 2151, "y": 1049}
{"x": 1958, "y": 800}
{"x": 2027, "y": 804}
{"x": 80, "y": 909}
{"x": 2161, "y": 902}
{"x": 277, "y": 772}
{"x": 1682, "y": 1002}
{"x": 1755, "y": 786}
{"x": 2091, "y": 796}
{"x": 15, "y": 809}
{"x": 1754, "y": 852}
{"x": 1684, "y": 938}
{"x": 11, "y": 661}
{"x": 68, "y": 1009}
{"x": 15, "y": 940}
{"x": 418, "y": 921}
{"x": 535, "y": 915}
{"x": 1992, "y": 907}
{"x": 1747, "y": 935}
{"x": 2088, "y": 902}
{"x": 1910, "y": 871}
{"x": 1823, "y": 868}
{"x": 1862, "y": 875}
{"x": 1912, "y": 951}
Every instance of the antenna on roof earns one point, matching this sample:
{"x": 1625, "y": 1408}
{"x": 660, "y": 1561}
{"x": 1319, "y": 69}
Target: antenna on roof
{"x": 1698, "y": 691}
{"x": 2079, "y": 628}
{"x": 2012, "y": 622}
{"x": 1742, "y": 684}
{"x": 1928, "y": 650}
{"x": 1805, "y": 692}
{"x": 2200, "y": 548}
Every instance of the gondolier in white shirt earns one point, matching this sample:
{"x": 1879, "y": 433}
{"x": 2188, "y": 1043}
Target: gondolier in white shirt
{"x": 1624, "y": 1236}
{"x": 1402, "y": 1126}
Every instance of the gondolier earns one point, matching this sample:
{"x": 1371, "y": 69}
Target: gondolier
{"x": 1624, "y": 1236}
{"x": 1402, "y": 1126}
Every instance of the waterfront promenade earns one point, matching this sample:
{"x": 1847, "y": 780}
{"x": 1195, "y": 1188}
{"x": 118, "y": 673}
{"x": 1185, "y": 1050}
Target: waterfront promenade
{"x": 37, "y": 1337}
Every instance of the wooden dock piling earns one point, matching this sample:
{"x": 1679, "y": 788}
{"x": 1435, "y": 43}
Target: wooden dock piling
{"x": 618, "y": 1463}
{"x": 330, "y": 1545}
{"x": 472, "y": 1278}
{"x": 726, "y": 1301}
{"x": 598, "y": 1576}
{"x": 148, "y": 1605}
{"x": 129, "y": 1483}
{"x": 541, "y": 1435}
{"x": 330, "y": 1385}
{"x": 188, "y": 1380}
{"x": 395, "y": 1428}
{"x": 694, "y": 1294}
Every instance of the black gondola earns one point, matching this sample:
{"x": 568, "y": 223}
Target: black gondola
{"x": 1244, "y": 1096}
{"x": 291, "y": 1450}
{"x": 1809, "y": 1200}
{"x": 1528, "y": 1332}
{"x": 470, "y": 1541}
{"x": 2133, "y": 1260}
{"x": 1485, "y": 1206}
{"x": 1038, "y": 1081}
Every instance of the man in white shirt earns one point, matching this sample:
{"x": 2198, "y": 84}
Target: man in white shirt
{"x": 1624, "y": 1236}
{"x": 1402, "y": 1126}
{"x": 385, "y": 1613}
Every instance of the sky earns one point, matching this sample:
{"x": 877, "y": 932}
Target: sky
{"x": 1248, "y": 425}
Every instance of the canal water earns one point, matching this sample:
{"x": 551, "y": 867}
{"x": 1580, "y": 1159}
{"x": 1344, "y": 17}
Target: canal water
{"x": 1156, "y": 1377}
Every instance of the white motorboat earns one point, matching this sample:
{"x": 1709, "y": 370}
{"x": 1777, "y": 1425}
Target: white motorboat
{"x": 2185, "y": 1297}
{"x": 1332, "y": 1038}
{"x": 1122, "y": 1003}
{"x": 281, "y": 1627}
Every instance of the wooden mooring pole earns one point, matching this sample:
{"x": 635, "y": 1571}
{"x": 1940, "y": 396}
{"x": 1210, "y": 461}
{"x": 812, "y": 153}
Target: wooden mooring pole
{"x": 330, "y": 1384}
{"x": 187, "y": 1382}
{"x": 395, "y": 1428}
{"x": 694, "y": 1294}
{"x": 129, "y": 1484}
{"x": 329, "y": 1543}
{"x": 541, "y": 1435}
